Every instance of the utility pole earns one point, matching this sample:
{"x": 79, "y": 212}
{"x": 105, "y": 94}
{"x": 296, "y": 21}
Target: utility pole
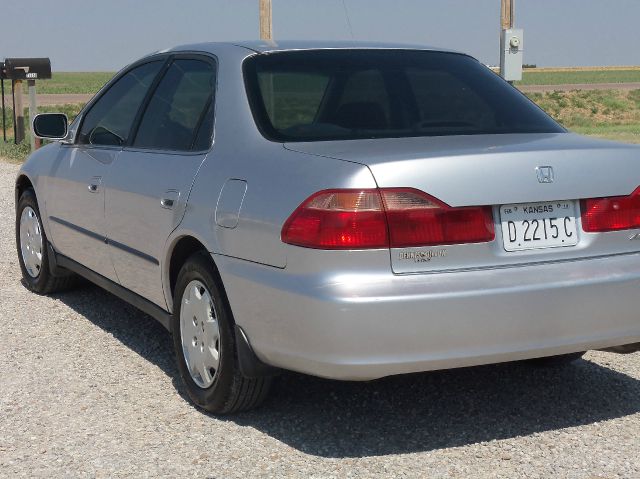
{"x": 266, "y": 34}
{"x": 507, "y": 14}
{"x": 266, "y": 23}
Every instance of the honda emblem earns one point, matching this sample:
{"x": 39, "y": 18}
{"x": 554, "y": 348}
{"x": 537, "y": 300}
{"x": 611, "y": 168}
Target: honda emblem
{"x": 545, "y": 174}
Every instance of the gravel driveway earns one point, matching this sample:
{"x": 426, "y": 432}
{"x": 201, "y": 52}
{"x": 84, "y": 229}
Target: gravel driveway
{"x": 88, "y": 388}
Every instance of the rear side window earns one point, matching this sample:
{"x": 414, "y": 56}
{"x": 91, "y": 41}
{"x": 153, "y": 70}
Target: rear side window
{"x": 179, "y": 115}
{"x": 317, "y": 95}
{"x": 110, "y": 119}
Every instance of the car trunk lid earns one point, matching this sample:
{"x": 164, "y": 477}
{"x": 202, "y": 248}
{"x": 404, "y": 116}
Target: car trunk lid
{"x": 497, "y": 170}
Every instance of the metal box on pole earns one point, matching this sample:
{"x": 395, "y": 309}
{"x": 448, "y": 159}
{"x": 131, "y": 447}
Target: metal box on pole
{"x": 511, "y": 54}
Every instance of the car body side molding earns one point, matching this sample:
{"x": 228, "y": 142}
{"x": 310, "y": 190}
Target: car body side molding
{"x": 144, "y": 305}
{"x": 250, "y": 365}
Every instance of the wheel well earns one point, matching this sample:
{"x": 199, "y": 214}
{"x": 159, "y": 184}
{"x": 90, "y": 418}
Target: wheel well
{"x": 184, "y": 248}
{"x": 22, "y": 184}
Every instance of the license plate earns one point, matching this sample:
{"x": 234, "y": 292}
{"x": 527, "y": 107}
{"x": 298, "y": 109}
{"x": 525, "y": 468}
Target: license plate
{"x": 539, "y": 225}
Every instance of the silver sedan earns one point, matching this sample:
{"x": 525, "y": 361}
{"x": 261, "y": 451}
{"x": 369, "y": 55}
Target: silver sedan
{"x": 350, "y": 211}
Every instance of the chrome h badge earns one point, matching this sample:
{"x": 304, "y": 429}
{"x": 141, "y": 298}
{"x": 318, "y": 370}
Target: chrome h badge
{"x": 545, "y": 174}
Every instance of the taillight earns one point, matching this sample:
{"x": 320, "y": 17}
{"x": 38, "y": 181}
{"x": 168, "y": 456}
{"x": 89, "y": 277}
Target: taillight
{"x": 388, "y": 217}
{"x": 417, "y": 219}
{"x": 612, "y": 213}
{"x": 339, "y": 219}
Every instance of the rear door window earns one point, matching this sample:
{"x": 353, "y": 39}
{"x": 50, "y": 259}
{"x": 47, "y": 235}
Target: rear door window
{"x": 179, "y": 116}
{"x": 109, "y": 121}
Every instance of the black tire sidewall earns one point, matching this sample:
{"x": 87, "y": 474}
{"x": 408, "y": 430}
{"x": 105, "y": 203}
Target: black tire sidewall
{"x": 37, "y": 284}
{"x": 215, "y": 397}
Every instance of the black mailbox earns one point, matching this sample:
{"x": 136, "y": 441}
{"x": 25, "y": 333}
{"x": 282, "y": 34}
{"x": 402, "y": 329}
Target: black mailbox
{"x": 27, "y": 68}
{"x": 3, "y": 75}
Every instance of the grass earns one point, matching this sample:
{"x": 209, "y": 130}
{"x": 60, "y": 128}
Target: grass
{"x": 610, "y": 114}
{"x": 14, "y": 153}
{"x": 71, "y": 110}
{"x": 18, "y": 153}
{"x": 569, "y": 77}
{"x": 73, "y": 82}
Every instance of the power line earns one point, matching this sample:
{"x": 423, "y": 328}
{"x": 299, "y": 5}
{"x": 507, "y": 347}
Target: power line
{"x": 346, "y": 12}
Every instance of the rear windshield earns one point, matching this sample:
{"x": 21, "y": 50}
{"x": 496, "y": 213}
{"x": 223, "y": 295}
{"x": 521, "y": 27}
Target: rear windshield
{"x": 353, "y": 94}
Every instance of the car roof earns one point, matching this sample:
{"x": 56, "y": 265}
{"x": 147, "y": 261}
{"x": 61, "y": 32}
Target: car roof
{"x": 262, "y": 46}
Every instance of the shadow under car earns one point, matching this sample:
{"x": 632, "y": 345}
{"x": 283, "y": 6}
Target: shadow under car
{"x": 400, "y": 414}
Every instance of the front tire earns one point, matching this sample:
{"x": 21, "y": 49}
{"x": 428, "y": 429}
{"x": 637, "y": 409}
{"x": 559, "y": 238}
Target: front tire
{"x": 204, "y": 342}
{"x": 33, "y": 252}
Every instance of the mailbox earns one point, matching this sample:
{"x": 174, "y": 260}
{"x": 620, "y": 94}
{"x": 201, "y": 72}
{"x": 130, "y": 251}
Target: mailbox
{"x": 27, "y": 68}
{"x": 3, "y": 75}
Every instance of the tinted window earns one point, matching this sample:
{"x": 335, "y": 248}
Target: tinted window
{"x": 110, "y": 119}
{"x": 180, "y": 106}
{"x": 349, "y": 94}
{"x": 443, "y": 99}
{"x": 291, "y": 97}
{"x": 355, "y": 108}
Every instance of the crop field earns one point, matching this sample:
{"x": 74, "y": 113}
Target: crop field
{"x": 572, "y": 76}
{"x": 74, "y": 82}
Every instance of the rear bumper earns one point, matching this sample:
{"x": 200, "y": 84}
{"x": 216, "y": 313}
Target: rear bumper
{"x": 366, "y": 325}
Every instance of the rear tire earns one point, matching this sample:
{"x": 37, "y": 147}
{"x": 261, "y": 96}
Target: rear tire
{"x": 33, "y": 251}
{"x": 556, "y": 361}
{"x": 204, "y": 342}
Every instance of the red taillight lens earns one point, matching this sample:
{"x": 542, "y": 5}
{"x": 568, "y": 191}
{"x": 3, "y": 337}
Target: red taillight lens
{"x": 611, "y": 214}
{"x": 339, "y": 219}
{"x": 417, "y": 219}
{"x": 391, "y": 217}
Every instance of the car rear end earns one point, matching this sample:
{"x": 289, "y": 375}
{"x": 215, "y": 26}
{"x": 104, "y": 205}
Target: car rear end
{"x": 491, "y": 233}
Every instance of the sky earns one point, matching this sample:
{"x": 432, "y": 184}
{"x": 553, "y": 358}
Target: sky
{"x": 90, "y": 35}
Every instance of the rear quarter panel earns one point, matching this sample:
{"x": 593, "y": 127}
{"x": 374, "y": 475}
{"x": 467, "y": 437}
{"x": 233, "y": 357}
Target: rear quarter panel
{"x": 277, "y": 179}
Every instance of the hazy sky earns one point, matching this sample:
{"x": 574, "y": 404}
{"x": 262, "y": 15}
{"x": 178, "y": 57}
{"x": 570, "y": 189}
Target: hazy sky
{"x": 105, "y": 35}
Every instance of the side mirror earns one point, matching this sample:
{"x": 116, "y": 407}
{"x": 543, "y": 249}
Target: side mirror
{"x": 52, "y": 126}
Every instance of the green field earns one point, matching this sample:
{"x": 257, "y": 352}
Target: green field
{"x": 74, "y": 82}
{"x": 546, "y": 77}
